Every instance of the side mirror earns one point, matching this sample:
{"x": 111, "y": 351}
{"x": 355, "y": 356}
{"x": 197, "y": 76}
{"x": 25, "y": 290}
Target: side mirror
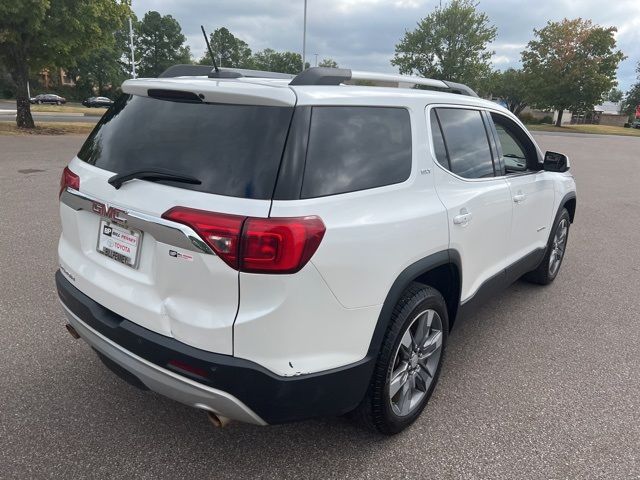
{"x": 555, "y": 162}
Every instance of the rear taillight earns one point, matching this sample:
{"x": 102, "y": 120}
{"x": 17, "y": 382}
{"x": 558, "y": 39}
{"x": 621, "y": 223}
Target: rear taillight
{"x": 69, "y": 179}
{"x": 279, "y": 245}
{"x": 255, "y": 245}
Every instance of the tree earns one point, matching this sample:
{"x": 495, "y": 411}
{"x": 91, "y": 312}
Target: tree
{"x": 228, "y": 50}
{"x": 571, "y": 64}
{"x": 512, "y": 86}
{"x": 448, "y": 44}
{"x": 35, "y": 34}
{"x": 328, "y": 62}
{"x": 104, "y": 68}
{"x": 632, "y": 98}
{"x": 159, "y": 44}
{"x": 272, "y": 61}
{"x": 615, "y": 95}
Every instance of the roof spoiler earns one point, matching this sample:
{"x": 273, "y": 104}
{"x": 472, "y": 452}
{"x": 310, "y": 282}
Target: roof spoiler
{"x": 208, "y": 71}
{"x": 336, "y": 76}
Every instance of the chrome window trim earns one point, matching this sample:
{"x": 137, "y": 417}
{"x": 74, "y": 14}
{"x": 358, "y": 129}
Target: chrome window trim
{"x": 164, "y": 231}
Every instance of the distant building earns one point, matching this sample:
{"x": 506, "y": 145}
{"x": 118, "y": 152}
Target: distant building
{"x": 57, "y": 77}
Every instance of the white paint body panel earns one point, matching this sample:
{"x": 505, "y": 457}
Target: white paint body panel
{"x": 192, "y": 301}
{"x": 323, "y": 316}
{"x": 533, "y": 198}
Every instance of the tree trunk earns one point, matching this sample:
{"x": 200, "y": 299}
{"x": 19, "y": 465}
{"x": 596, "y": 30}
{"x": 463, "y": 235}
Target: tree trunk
{"x": 559, "y": 119}
{"x": 23, "y": 107}
{"x": 519, "y": 108}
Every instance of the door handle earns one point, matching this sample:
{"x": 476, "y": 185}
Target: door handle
{"x": 519, "y": 198}
{"x": 463, "y": 219}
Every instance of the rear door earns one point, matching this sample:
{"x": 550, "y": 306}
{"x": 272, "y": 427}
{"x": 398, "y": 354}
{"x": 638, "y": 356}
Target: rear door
{"x": 117, "y": 248}
{"x": 478, "y": 202}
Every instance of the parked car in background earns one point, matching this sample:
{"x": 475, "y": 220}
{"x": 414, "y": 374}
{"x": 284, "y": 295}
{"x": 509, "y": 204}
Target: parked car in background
{"x": 635, "y": 124}
{"x": 48, "y": 98}
{"x": 97, "y": 102}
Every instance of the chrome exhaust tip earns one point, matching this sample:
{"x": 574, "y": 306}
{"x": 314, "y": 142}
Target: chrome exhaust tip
{"x": 218, "y": 421}
{"x": 72, "y": 331}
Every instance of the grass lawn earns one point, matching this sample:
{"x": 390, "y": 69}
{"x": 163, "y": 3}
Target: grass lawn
{"x": 69, "y": 108}
{"x": 598, "y": 129}
{"x": 47, "y": 128}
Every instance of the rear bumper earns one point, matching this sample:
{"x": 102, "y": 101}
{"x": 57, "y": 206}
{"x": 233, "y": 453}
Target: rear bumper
{"x": 164, "y": 381}
{"x": 229, "y": 386}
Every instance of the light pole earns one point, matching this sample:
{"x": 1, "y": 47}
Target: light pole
{"x": 304, "y": 36}
{"x": 133, "y": 61}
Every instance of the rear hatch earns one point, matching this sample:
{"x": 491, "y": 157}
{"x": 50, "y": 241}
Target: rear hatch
{"x": 225, "y": 140}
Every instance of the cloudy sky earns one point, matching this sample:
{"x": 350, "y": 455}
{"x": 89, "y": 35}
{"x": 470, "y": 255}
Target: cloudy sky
{"x": 361, "y": 34}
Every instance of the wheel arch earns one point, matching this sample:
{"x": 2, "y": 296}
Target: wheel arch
{"x": 441, "y": 270}
{"x": 569, "y": 202}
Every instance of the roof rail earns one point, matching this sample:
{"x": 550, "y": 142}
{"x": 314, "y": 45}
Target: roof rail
{"x": 206, "y": 70}
{"x": 336, "y": 76}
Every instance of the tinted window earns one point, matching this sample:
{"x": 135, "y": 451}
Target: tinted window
{"x": 438, "y": 141}
{"x": 355, "y": 148}
{"x": 467, "y": 144}
{"x": 513, "y": 155}
{"x": 517, "y": 151}
{"x": 233, "y": 150}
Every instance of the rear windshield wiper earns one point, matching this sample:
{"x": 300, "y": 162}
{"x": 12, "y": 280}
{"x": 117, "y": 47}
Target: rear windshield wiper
{"x": 152, "y": 175}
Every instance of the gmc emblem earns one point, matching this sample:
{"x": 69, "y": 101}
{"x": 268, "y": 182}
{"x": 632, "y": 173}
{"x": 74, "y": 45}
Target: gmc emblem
{"x": 113, "y": 213}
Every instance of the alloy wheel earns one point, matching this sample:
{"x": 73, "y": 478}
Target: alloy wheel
{"x": 558, "y": 247}
{"x": 415, "y": 362}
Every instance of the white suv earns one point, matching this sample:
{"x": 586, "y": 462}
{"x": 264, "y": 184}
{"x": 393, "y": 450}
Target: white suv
{"x": 270, "y": 249}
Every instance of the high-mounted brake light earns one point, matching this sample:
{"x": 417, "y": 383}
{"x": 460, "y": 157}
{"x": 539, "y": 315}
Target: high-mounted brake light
{"x": 255, "y": 245}
{"x": 68, "y": 179}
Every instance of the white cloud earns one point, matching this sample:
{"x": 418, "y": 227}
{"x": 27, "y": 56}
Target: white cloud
{"x": 362, "y": 33}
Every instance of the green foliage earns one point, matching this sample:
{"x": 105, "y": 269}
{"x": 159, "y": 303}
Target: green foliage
{"x": 272, "y": 61}
{"x": 328, "y": 62}
{"x": 632, "y": 98}
{"x": 51, "y": 33}
{"x": 530, "y": 119}
{"x": 571, "y": 65}
{"x": 159, "y": 43}
{"x": 449, "y": 44}
{"x": 615, "y": 95}
{"x": 512, "y": 86}
{"x": 102, "y": 70}
{"x": 228, "y": 50}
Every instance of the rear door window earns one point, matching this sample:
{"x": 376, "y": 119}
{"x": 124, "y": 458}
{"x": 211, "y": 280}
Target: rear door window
{"x": 356, "y": 148}
{"x": 234, "y": 150}
{"x": 467, "y": 143}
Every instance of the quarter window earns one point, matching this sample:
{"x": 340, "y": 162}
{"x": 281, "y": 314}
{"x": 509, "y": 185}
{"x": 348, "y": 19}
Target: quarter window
{"x": 466, "y": 141}
{"x": 356, "y": 148}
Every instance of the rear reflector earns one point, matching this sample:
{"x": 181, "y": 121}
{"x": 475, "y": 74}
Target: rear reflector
{"x": 183, "y": 367}
{"x": 255, "y": 245}
{"x": 68, "y": 179}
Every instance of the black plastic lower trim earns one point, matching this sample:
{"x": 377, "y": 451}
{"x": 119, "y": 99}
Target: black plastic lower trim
{"x": 274, "y": 398}
{"x": 496, "y": 284}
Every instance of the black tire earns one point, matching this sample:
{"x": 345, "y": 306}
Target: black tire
{"x": 376, "y": 411}
{"x": 544, "y": 274}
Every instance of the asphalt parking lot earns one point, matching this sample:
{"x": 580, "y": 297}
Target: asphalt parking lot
{"x": 540, "y": 383}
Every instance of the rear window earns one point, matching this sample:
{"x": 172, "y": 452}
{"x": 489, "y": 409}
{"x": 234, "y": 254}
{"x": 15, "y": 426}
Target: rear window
{"x": 356, "y": 148}
{"x": 234, "y": 150}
